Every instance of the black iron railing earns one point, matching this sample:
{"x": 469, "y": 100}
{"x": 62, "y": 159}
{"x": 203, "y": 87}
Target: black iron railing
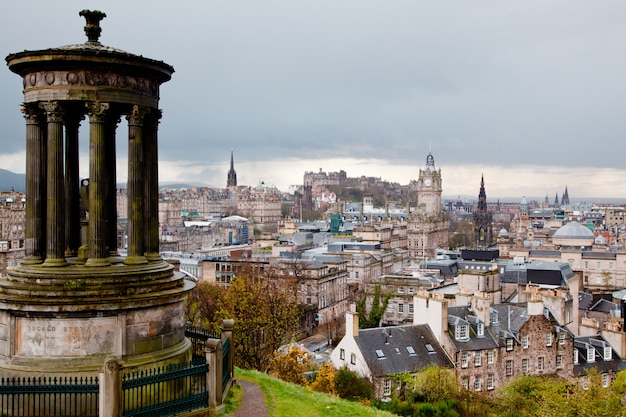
{"x": 198, "y": 337}
{"x": 165, "y": 391}
{"x": 52, "y": 396}
{"x": 225, "y": 363}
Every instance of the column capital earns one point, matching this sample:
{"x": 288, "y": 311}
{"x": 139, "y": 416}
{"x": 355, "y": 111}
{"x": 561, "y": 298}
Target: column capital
{"x": 137, "y": 115}
{"x": 152, "y": 119}
{"x": 54, "y": 111}
{"x": 97, "y": 111}
{"x": 32, "y": 113}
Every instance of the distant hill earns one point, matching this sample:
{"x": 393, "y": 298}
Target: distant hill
{"x": 12, "y": 181}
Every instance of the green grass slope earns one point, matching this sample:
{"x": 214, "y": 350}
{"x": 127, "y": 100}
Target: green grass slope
{"x": 287, "y": 400}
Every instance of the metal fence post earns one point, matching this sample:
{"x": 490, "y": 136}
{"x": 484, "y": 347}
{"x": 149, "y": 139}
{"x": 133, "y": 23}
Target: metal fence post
{"x": 111, "y": 389}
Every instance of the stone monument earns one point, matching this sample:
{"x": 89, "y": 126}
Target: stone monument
{"x": 75, "y": 301}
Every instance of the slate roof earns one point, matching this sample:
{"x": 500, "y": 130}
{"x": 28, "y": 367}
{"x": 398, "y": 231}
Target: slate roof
{"x": 584, "y": 300}
{"x": 398, "y": 349}
{"x": 599, "y": 255}
{"x": 460, "y": 315}
{"x": 600, "y": 364}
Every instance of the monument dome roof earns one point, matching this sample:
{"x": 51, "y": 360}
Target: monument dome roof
{"x": 573, "y": 230}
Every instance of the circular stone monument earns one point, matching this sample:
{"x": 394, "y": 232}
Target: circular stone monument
{"x": 74, "y": 301}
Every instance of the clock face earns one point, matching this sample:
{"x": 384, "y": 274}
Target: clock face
{"x": 427, "y": 182}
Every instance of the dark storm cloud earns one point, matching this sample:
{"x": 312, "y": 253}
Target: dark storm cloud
{"x": 532, "y": 82}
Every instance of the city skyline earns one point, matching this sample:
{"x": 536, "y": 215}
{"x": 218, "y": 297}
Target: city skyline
{"x": 527, "y": 94}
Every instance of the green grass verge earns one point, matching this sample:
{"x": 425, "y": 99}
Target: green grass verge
{"x": 284, "y": 399}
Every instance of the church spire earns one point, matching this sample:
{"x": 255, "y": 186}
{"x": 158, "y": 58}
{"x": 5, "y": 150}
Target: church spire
{"x": 232, "y": 175}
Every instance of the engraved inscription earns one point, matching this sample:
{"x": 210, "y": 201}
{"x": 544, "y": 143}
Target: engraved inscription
{"x": 66, "y": 337}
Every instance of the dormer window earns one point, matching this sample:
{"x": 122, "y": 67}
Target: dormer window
{"x": 509, "y": 344}
{"x": 480, "y": 329}
{"x": 575, "y": 356}
{"x": 493, "y": 317}
{"x": 591, "y": 354}
{"x": 608, "y": 353}
{"x": 461, "y": 332}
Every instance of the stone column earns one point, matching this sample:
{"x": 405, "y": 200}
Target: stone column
{"x": 55, "y": 207}
{"x": 72, "y": 187}
{"x": 136, "y": 180}
{"x": 110, "y": 190}
{"x": 98, "y": 253}
{"x": 35, "y": 186}
{"x": 151, "y": 184}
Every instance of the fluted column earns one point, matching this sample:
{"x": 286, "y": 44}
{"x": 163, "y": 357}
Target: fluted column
{"x": 151, "y": 186}
{"x": 36, "y": 159}
{"x": 110, "y": 191}
{"x": 135, "y": 186}
{"x": 55, "y": 204}
{"x": 98, "y": 253}
{"x": 72, "y": 186}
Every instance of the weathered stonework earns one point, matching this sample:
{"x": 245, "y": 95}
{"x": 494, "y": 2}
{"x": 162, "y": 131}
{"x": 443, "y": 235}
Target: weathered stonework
{"x": 75, "y": 302}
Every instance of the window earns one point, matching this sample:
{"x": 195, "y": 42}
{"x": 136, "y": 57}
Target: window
{"x": 410, "y": 350}
{"x": 353, "y": 359}
{"x": 480, "y": 329}
{"x": 490, "y": 356}
{"x": 400, "y": 307}
{"x": 549, "y": 339}
{"x": 575, "y": 357}
{"x": 525, "y": 365}
{"x": 464, "y": 359}
{"x": 586, "y": 264}
{"x": 559, "y": 361}
{"x": 430, "y": 348}
{"x": 342, "y": 354}
{"x": 356, "y": 274}
{"x": 591, "y": 354}
{"x": 493, "y": 317}
{"x": 478, "y": 358}
{"x": 465, "y": 382}
{"x": 525, "y": 341}
{"x": 400, "y": 290}
{"x": 411, "y": 290}
{"x": 597, "y": 265}
{"x": 461, "y": 332}
{"x": 387, "y": 387}
{"x": 380, "y": 354}
{"x": 608, "y": 353}
{"x": 509, "y": 367}
{"x": 390, "y": 308}
{"x": 478, "y": 383}
{"x": 410, "y": 308}
{"x": 540, "y": 363}
{"x": 509, "y": 345}
{"x": 561, "y": 338}
{"x": 606, "y": 380}
{"x": 490, "y": 382}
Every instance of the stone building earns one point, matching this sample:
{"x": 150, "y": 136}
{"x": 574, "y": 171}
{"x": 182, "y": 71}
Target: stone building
{"x": 428, "y": 226}
{"x": 490, "y": 345}
{"x": 12, "y": 212}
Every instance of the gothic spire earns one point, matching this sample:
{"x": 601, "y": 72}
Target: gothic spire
{"x": 232, "y": 175}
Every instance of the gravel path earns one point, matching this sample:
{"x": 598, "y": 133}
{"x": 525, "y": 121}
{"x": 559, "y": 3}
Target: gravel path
{"x": 252, "y": 402}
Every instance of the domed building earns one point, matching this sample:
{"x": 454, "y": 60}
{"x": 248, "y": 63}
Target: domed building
{"x": 573, "y": 234}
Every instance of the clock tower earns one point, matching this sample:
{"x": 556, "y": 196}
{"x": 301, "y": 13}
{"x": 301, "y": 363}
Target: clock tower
{"x": 428, "y": 225}
{"x": 429, "y": 188}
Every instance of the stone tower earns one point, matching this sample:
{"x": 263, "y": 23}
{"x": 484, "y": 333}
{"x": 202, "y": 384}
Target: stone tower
{"x": 428, "y": 225}
{"x": 231, "y": 181}
{"x": 483, "y": 219}
{"x": 75, "y": 301}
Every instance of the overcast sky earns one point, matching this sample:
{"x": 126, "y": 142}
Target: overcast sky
{"x": 532, "y": 94}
